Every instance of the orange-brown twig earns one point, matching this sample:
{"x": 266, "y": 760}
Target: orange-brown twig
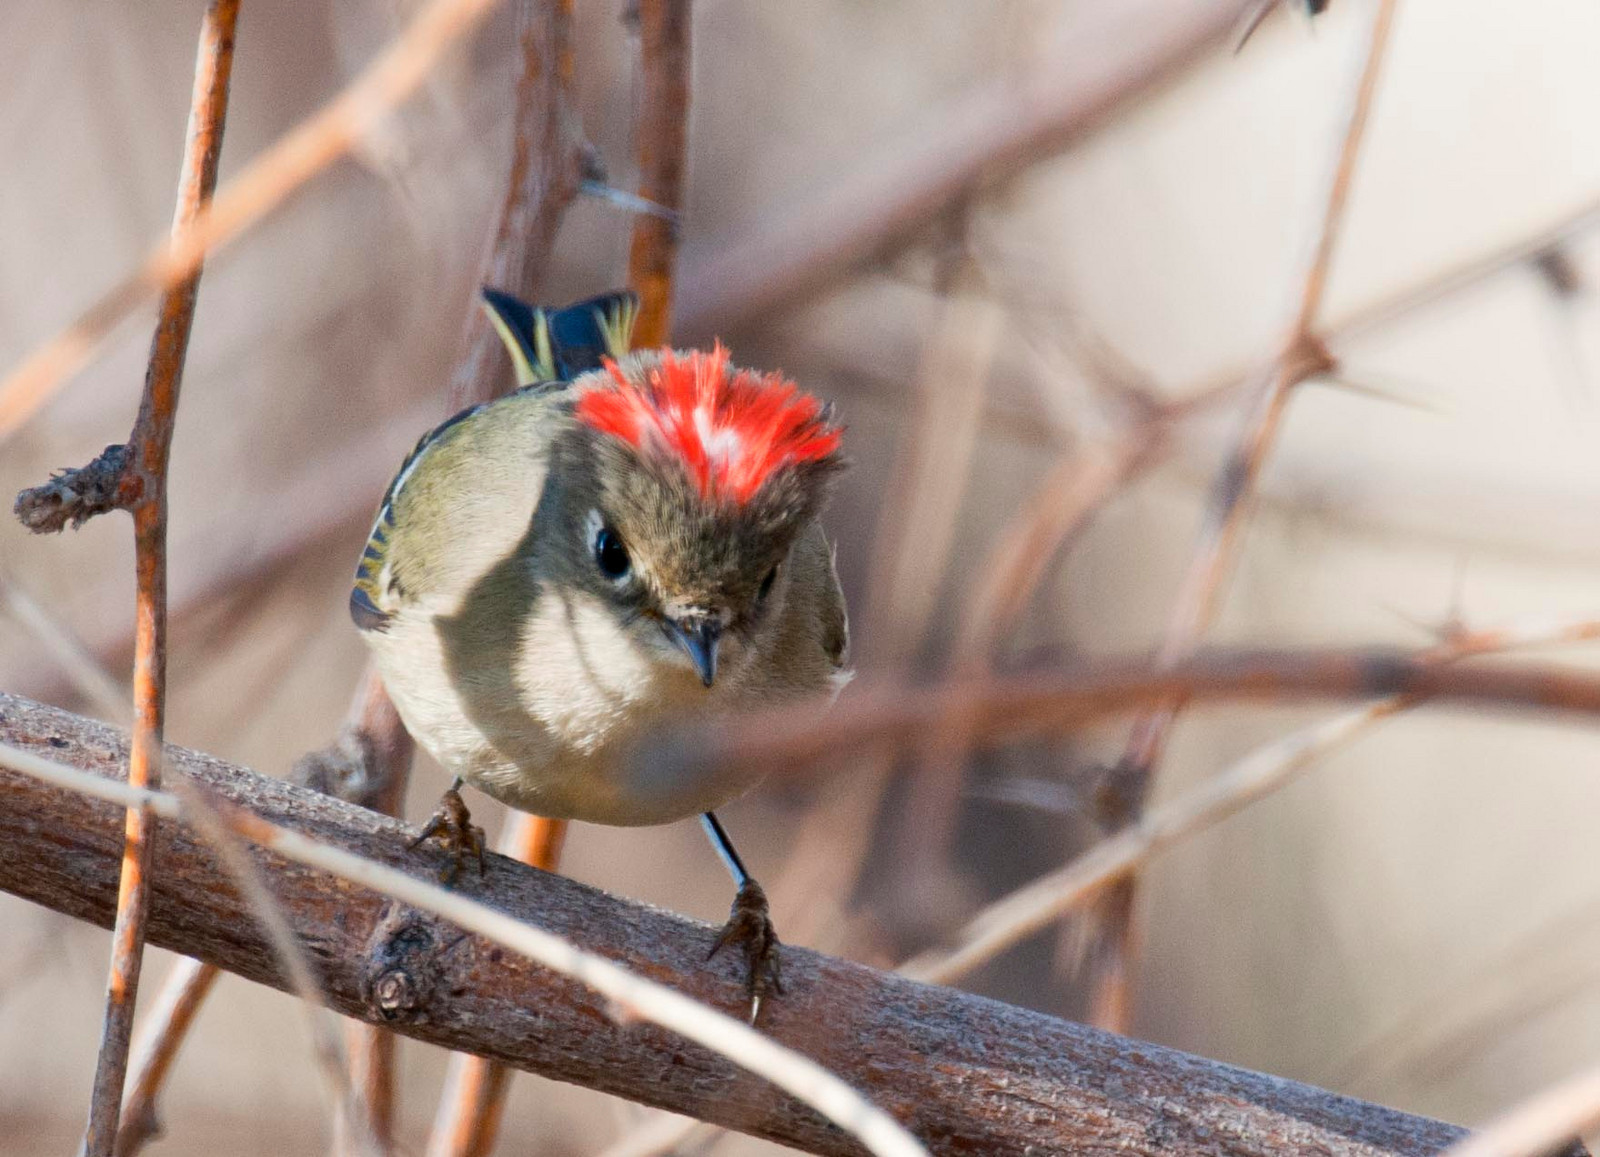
{"x": 143, "y": 488}
{"x": 1302, "y": 355}
{"x": 661, "y": 136}
{"x": 266, "y": 183}
{"x": 172, "y": 1015}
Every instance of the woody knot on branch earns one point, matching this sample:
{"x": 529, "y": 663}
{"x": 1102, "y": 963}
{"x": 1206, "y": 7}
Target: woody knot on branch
{"x": 74, "y": 495}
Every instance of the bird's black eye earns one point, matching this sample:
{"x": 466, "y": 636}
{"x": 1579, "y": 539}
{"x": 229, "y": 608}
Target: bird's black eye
{"x": 766, "y": 584}
{"x": 610, "y": 555}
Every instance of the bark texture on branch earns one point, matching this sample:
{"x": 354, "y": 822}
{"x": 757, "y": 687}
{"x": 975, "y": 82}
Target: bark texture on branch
{"x": 965, "y": 1073}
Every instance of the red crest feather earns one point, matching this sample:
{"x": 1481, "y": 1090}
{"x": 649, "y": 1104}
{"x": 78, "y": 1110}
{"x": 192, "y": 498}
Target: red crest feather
{"x": 732, "y": 432}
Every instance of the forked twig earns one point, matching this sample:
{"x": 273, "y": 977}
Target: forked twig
{"x": 170, "y": 1018}
{"x": 1300, "y": 356}
{"x": 142, "y": 488}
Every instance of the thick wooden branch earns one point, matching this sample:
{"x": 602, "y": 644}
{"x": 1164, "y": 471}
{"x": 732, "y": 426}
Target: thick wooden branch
{"x": 965, "y": 1073}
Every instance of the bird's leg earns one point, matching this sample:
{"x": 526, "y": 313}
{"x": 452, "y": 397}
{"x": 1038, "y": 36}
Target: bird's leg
{"x": 452, "y": 827}
{"x": 749, "y": 926}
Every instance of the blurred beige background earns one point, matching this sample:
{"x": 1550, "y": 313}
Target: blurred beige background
{"x": 1416, "y": 922}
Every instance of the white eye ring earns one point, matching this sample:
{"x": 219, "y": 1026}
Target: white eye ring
{"x": 609, "y": 552}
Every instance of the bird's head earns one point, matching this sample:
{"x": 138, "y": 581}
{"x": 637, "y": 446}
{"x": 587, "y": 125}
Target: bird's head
{"x": 679, "y": 491}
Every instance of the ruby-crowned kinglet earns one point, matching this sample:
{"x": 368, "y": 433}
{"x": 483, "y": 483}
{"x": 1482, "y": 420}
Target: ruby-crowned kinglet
{"x": 628, "y": 540}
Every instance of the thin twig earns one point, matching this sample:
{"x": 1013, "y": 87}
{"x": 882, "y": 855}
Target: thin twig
{"x": 982, "y": 139}
{"x": 1552, "y": 1118}
{"x": 660, "y": 137}
{"x": 1267, "y": 770}
{"x": 168, "y": 1022}
{"x": 263, "y": 185}
{"x": 145, "y": 483}
{"x": 1221, "y": 533}
{"x": 352, "y": 1128}
{"x": 633, "y": 996}
{"x": 83, "y": 671}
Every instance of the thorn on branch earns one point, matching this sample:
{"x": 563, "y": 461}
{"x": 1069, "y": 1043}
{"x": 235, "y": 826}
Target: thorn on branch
{"x": 77, "y": 494}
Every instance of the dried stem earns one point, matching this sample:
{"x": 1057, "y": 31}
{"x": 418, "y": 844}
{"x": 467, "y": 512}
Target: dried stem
{"x": 1006, "y": 1078}
{"x": 264, "y": 184}
{"x": 87, "y": 677}
{"x": 1001, "y": 708}
{"x": 144, "y": 489}
{"x": 661, "y": 136}
{"x": 1301, "y": 356}
{"x": 169, "y": 1020}
{"x": 1552, "y": 1119}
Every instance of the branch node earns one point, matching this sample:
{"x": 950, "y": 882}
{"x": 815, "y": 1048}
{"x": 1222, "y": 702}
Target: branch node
{"x": 401, "y": 970}
{"x": 77, "y": 494}
{"x": 1307, "y": 357}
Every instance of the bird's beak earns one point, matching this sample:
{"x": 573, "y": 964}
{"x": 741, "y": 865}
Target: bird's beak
{"x": 699, "y": 637}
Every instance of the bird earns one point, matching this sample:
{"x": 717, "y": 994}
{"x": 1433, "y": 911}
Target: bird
{"x": 629, "y": 540}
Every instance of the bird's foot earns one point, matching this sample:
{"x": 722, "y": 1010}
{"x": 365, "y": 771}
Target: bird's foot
{"x": 452, "y": 828}
{"x": 749, "y": 928}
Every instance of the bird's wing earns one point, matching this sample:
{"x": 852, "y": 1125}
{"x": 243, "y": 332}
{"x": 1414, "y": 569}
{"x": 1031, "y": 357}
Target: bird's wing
{"x": 548, "y": 348}
{"x": 379, "y": 588}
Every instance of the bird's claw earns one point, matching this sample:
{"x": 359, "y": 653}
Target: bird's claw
{"x": 749, "y": 928}
{"x": 452, "y": 828}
